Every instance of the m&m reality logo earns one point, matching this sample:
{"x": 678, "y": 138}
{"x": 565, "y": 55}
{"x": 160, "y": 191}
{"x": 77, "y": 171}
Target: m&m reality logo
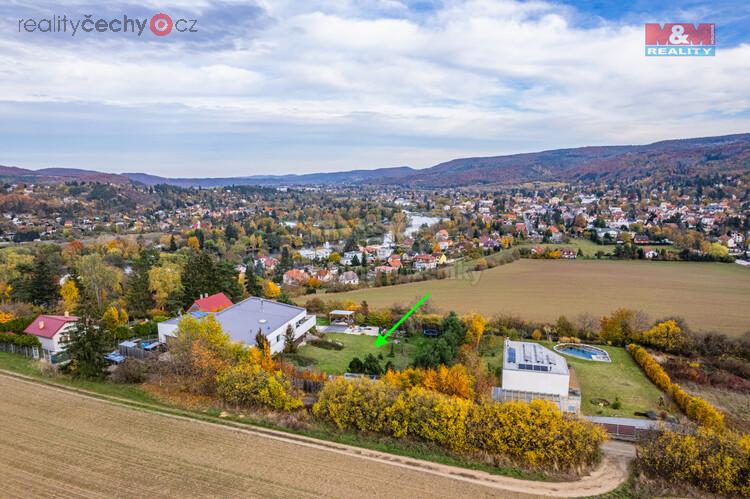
{"x": 680, "y": 39}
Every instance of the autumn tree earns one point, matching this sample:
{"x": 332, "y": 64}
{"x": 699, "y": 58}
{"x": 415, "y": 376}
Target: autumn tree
{"x": 271, "y": 290}
{"x": 69, "y": 295}
{"x": 165, "y": 281}
{"x": 475, "y": 329}
{"x": 619, "y": 327}
{"x": 101, "y": 282}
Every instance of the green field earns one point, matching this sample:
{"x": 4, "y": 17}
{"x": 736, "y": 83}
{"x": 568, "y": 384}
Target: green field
{"x": 710, "y": 296}
{"x": 337, "y": 361}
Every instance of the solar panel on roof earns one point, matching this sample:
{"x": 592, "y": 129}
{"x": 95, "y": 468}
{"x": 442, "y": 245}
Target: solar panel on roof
{"x": 512, "y": 355}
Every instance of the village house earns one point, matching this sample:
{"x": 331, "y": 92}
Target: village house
{"x": 425, "y": 262}
{"x": 533, "y": 372}
{"x": 349, "y": 278}
{"x": 244, "y": 320}
{"x": 394, "y": 261}
{"x": 52, "y": 332}
{"x": 269, "y": 263}
{"x": 568, "y": 253}
{"x": 210, "y": 304}
{"x": 296, "y": 277}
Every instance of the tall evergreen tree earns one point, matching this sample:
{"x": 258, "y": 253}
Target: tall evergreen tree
{"x": 138, "y": 296}
{"x": 86, "y": 346}
{"x": 253, "y": 285}
{"x": 198, "y": 277}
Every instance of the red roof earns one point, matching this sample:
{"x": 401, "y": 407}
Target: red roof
{"x": 47, "y": 326}
{"x": 213, "y": 303}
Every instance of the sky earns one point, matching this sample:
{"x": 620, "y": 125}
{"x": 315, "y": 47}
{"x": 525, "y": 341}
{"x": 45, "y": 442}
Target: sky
{"x": 280, "y": 86}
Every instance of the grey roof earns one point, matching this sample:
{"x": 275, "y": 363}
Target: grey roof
{"x": 532, "y": 357}
{"x": 242, "y": 320}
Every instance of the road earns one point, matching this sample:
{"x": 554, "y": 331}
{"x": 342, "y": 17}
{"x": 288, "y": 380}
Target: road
{"x": 54, "y": 442}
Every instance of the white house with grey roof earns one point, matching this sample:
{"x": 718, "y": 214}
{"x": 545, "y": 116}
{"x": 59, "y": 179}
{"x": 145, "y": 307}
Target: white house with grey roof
{"x": 243, "y": 320}
{"x": 533, "y": 372}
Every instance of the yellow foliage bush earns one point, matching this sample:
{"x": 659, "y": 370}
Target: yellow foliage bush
{"x": 450, "y": 381}
{"x": 248, "y": 384}
{"x": 535, "y": 435}
{"x": 695, "y": 408}
{"x": 718, "y": 462}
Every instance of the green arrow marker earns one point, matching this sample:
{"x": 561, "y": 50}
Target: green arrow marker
{"x": 383, "y": 339}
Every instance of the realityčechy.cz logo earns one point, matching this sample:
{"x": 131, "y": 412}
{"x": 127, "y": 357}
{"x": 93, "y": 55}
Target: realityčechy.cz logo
{"x": 160, "y": 25}
{"x": 680, "y": 39}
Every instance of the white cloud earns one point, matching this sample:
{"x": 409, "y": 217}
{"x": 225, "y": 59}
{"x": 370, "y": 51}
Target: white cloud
{"x": 499, "y": 75}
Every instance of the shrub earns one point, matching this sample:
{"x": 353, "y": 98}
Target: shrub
{"x": 248, "y": 384}
{"x": 22, "y": 340}
{"x": 17, "y": 325}
{"x": 131, "y": 371}
{"x": 503, "y": 431}
{"x": 717, "y": 462}
{"x": 326, "y": 344}
{"x": 695, "y": 408}
{"x": 454, "y": 381}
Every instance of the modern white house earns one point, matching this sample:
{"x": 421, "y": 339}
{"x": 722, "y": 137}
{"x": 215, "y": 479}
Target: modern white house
{"x": 52, "y": 331}
{"x": 533, "y": 372}
{"x": 243, "y": 320}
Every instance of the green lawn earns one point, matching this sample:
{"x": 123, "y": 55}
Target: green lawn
{"x": 621, "y": 378}
{"x": 337, "y": 361}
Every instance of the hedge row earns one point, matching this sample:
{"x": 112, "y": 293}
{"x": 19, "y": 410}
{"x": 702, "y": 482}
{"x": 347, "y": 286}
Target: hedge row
{"x": 718, "y": 462}
{"x": 535, "y": 435}
{"x": 17, "y": 325}
{"x": 696, "y": 408}
{"x": 22, "y": 340}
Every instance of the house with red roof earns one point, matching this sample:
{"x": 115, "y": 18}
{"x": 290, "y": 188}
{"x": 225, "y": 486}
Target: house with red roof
{"x": 296, "y": 277}
{"x": 425, "y": 262}
{"x": 52, "y": 331}
{"x": 211, "y": 304}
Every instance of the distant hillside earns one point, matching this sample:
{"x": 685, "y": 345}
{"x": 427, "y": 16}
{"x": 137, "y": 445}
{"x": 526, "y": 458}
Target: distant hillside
{"x": 672, "y": 157}
{"x": 54, "y": 175}
{"x": 348, "y": 177}
{"x": 727, "y": 154}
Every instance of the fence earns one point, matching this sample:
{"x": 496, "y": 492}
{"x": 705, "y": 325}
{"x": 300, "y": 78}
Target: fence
{"x": 307, "y": 385}
{"x": 627, "y": 429}
{"x": 26, "y": 351}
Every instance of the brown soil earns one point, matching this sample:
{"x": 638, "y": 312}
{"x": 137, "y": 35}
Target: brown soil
{"x": 60, "y": 443}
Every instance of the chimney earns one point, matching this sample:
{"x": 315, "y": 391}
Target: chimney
{"x": 261, "y": 304}
{"x": 41, "y": 324}
{"x": 67, "y": 314}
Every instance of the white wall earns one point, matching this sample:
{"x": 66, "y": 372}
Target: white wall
{"x": 537, "y": 382}
{"x": 166, "y": 330}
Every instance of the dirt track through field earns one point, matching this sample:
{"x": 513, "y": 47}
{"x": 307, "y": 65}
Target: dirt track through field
{"x": 55, "y": 443}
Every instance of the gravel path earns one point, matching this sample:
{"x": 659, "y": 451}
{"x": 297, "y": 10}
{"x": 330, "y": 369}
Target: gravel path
{"x": 55, "y": 442}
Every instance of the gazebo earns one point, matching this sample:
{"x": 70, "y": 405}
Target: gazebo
{"x": 341, "y": 317}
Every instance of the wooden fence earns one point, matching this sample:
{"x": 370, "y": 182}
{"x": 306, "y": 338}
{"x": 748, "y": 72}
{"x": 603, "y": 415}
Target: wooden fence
{"x": 26, "y": 351}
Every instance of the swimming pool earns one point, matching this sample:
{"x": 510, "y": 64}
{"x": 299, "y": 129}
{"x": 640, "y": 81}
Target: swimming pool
{"x": 586, "y": 352}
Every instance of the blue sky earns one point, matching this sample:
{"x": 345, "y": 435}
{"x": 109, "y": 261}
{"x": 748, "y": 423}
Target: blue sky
{"x": 273, "y": 87}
